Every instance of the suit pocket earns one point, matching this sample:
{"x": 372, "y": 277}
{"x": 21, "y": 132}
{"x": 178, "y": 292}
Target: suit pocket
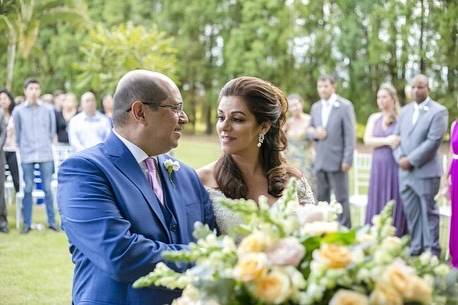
{"x": 194, "y": 213}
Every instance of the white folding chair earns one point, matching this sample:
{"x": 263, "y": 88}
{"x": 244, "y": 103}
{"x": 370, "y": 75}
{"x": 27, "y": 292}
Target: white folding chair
{"x": 60, "y": 153}
{"x": 361, "y": 173}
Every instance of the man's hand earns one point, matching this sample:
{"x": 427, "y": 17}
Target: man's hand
{"x": 320, "y": 133}
{"x": 405, "y": 164}
{"x": 345, "y": 167}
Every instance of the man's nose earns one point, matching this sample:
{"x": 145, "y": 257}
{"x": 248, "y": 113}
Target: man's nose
{"x": 183, "y": 118}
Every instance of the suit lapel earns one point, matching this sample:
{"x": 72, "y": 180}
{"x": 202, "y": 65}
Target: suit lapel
{"x": 176, "y": 201}
{"x": 410, "y": 125}
{"x": 319, "y": 108}
{"x": 124, "y": 160}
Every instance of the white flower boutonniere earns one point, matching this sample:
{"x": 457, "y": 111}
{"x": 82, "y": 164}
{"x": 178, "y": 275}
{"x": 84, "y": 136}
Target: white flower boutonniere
{"x": 171, "y": 166}
{"x": 336, "y": 104}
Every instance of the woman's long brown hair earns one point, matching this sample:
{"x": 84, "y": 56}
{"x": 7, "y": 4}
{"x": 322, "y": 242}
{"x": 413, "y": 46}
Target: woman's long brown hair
{"x": 268, "y": 104}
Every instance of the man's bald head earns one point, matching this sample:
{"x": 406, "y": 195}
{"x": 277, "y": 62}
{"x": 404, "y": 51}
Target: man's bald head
{"x": 140, "y": 85}
{"x": 421, "y": 78}
{"x": 420, "y": 88}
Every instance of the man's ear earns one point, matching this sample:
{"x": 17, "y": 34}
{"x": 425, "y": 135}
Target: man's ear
{"x": 138, "y": 111}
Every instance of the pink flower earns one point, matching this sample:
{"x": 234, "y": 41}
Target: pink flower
{"x": 286, "y": 252}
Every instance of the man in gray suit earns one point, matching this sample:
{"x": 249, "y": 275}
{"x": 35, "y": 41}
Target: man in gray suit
{"x": 333, "y": 130}
{"x": 422, "y": 124}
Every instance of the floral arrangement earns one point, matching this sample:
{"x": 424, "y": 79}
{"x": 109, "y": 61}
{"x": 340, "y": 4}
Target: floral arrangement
{"x": 297, "y": 254}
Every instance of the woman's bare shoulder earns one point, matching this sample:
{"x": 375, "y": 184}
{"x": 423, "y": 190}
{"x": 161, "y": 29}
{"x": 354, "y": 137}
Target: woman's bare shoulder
{"x": 206, "y": 174}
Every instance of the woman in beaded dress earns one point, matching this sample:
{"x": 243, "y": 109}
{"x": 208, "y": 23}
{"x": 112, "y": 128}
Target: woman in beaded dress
{"x": 251, "y": 117}
{"x": 300, "y": 151}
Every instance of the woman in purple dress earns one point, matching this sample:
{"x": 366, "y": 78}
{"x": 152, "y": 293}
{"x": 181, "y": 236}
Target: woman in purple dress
{"x": 453, "y": 172}
{"x": 384, "y": 179}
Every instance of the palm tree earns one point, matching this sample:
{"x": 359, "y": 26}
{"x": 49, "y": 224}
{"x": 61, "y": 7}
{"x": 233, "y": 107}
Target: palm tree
{"x": 22, "y": 20}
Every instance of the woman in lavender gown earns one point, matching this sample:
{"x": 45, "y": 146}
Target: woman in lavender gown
{"x": 384, "y": 179}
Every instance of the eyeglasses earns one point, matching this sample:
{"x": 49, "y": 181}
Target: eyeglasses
{"x": 177, "y": 108}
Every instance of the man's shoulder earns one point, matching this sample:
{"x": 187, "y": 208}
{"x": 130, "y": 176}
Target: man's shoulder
{"x": 437, "y": 106}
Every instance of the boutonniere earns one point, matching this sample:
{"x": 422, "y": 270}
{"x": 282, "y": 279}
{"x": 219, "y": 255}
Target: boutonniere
{"x": 171, "y": 166}
{"x": 424, "y": 108}
{"x": 336, "y": 104}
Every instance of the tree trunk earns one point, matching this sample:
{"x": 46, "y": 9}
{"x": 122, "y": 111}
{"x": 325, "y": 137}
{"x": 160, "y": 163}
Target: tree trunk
{"x": 208, "y": 119}
{"x": 11, "y": 58}
{"x": 422, "y": 29}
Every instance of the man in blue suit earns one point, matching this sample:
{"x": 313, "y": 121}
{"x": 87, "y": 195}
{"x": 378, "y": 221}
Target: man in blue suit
{"x": 122, "y": 204}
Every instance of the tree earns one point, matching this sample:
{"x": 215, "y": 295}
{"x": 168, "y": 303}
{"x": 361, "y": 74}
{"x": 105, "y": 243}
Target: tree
{"x": 108, "y": 54}
{"x": 23, "y": 19}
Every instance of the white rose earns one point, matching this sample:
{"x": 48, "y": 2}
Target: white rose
{"x": 310, "y": 213}
{"x": 318, "y": 228}
{"x": 286, "y": 252}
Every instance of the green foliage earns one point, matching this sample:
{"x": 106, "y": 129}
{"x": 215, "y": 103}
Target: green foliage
{"x": 290, "y": 43}
{"x": 108, "y": 54}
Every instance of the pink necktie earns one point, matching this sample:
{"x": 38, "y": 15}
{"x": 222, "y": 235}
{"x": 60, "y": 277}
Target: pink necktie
{"x": 153, "y": 179}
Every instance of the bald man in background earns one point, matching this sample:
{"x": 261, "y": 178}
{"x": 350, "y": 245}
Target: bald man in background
{"x": 89, "y": 127}
{"x": 120, "y": 208}
{"x": 422, "y": 125}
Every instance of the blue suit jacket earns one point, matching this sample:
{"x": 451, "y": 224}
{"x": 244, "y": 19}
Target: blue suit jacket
{"x": 115, "y": 225}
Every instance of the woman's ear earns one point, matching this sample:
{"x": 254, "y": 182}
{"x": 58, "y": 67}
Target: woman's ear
{"x": 265, "y": 127}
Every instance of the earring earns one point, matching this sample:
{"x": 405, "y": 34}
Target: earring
{"x": 260, "y": 139}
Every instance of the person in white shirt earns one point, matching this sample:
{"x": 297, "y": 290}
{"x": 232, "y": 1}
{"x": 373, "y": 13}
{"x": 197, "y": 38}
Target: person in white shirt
{"x": 89, "y": 127}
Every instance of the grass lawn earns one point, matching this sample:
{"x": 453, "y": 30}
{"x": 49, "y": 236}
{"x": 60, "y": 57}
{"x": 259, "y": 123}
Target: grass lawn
{"x": 37, "y": 269}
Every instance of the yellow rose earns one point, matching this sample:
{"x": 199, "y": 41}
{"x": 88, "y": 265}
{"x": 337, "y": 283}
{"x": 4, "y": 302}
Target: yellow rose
{"x": 348, "y": 297}
{"x": 419, "y": 290}
{"x": 396, "y": 276}
{"x": 255, "y": 242}
{"x": 385, "y": 295}
{"x": 335, "y": 256}
{"x": 251, "y": 266}
{"x": 274, "y": 287}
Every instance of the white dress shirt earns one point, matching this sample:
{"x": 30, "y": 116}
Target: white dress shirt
{"x": 326, "y": 109}
{"x": 86, "y": 131}
{"x": 418, "y": 108}
{"x": 139, "y": 155}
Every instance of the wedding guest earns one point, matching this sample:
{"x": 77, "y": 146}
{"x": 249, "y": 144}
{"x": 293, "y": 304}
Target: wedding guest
{"x": 3, "y": 211}
{"x": 384, "y": 178}
{"x": 300, "y": 151}
{"x": 120, "y": 207}
{"x": 453, "y": 190}
{"x": 89, "y": 127}
{"x": 35, "y": 126}
{"x": 250, "y": 127}
{"x": 63, "y": 117}
{"x": 48, "y": 99}
{"x": 59, "y": 98}
{"x": 333, "y": 130}
{"x": 7, "y": 104}
{"x": 107, "y": 103}
{"x": 421, "y": 127}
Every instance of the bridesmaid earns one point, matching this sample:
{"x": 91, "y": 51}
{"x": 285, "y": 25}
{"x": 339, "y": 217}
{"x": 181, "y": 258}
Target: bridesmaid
{"x": 384, "y": 179}
{"x": 453, "y": 172}
{"x": 300, "y": 149}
